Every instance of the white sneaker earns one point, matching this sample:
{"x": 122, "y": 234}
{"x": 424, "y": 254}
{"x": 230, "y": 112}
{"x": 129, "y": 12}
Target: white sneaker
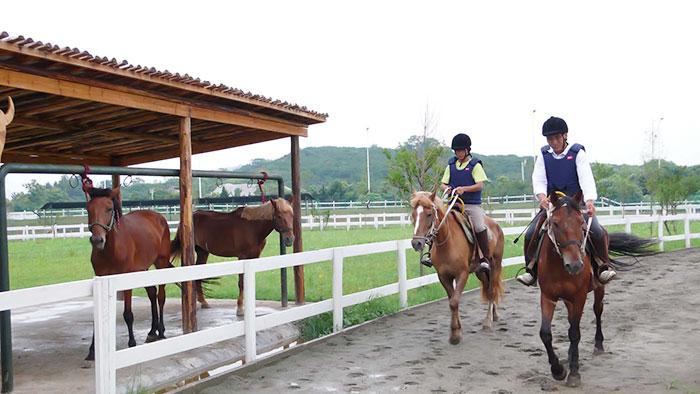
{"x": 606, "y": 276}
{"x": 526, "y": 279}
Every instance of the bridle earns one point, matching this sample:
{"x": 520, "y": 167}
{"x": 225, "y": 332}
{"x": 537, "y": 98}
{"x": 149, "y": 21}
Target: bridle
{"x": 561, "y": 245}
{"x": 108, "y": 227}
{"x": 435, "y": 226}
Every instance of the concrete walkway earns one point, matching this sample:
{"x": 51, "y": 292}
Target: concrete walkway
{"x": 51, "y": 341}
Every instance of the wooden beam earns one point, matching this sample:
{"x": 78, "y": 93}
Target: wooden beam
{"x": 51, "y": 158}
{"x": 87, "y": 92}
{"x": 189, "y": 297}
{"x": 224, "y": 142}
{"x": 160, "y": 81}
{"x": 296, "y": 223}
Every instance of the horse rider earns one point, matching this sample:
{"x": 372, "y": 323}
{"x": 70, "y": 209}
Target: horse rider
{"x": 564, "y": 167}
{"x": 465, "y": 175}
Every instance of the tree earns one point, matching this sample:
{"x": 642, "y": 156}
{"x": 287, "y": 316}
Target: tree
{"x": 417, "y": 164}
{"x": 669, "y": 184}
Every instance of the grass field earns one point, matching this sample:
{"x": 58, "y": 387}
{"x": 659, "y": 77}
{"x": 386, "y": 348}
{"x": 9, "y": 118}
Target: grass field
{"x": 42, "y": 262}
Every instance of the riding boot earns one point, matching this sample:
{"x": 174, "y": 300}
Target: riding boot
{"x": 482, "y": 239}
{"x": 532, "y": 240}
{"x": 599, "y": 257}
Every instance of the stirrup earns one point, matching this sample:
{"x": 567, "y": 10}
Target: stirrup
{"x": 427, "y": 261}
{"x": 606, "y": 276}
{"x": 484, "y": 267}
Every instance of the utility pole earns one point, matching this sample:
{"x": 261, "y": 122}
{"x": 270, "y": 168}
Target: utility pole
{"x": 532, "y": 132}
{"x": 654, "y": 135}
{"x": 522, "y": 169}
{"x": 368, "y": 183}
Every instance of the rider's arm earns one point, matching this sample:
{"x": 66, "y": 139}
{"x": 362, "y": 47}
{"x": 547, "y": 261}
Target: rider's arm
{"x": 539, "y": 177}
{"x": 586, "y": 180}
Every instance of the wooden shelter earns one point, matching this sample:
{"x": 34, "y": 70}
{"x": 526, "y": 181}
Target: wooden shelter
{"x": 76, "y": 108}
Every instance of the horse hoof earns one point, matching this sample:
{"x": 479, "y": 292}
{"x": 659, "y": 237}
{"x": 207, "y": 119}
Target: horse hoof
{"x": 240, "y": 312}
{"x": 205, "y": 305}
{"x": 87, "y": 364}
{"x": 598, "y": 351}
{"x": 558, "y": 373}
{"x": 574, "y": 380}
{"x": 455, "y": 339}
{"x": 486, "y": 327}
{"x": 151, "y": 338}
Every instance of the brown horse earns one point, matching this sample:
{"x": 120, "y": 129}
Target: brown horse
{"x": 128, "y": 243}
{"x": 451, "y": 254}
{"x": 564, "y": 273}
{"x": 241, "y": 233}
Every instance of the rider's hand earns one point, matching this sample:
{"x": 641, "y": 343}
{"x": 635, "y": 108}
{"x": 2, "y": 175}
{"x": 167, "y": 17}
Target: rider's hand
{"x": 544, "y": 203}
{"x": 458, "y": 190}
{"x": 590, "y": 207}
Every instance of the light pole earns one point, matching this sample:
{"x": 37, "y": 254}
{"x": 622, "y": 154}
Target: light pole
{"x": 368, "y": 183}
{"x": 654, "y": 136}
{"x": 532, "y": 132}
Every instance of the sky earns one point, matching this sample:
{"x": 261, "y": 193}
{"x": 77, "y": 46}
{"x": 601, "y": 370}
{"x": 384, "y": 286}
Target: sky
{"x": 493, "y": 69}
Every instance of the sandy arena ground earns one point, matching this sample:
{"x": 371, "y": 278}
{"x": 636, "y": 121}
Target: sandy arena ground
{"x": 650, "y": 323}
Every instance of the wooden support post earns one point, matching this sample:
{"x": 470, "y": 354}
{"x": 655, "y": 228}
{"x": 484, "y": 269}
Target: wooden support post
{"x": 298, "y": 245}
{"x": 189, "y": 311}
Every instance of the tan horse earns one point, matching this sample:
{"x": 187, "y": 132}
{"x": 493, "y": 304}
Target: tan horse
{"x": 451, "y": 253}
{"x": 6, "y": 119}
{"x": 241, "y": 233}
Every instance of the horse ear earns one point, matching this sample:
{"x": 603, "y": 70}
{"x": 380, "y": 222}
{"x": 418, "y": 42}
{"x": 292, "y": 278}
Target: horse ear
{"x": 274, "y": 203}
{"x": 553, "y": 197}
{"x": 578, "y": 197}
{"x": 292, "y": 199}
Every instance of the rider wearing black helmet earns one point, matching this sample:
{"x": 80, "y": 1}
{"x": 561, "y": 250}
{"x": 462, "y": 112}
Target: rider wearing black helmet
{"x": 465, "y": 175}
{"x": 564, "y": 167}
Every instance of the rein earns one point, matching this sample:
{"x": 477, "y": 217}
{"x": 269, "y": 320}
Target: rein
{"x": 435, "y": 229}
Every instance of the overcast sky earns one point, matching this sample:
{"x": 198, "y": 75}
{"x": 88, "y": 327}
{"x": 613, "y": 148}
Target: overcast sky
{"x": 610, "y": 69}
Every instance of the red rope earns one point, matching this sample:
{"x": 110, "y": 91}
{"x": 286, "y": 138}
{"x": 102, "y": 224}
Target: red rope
{"x": 261, "y": 182}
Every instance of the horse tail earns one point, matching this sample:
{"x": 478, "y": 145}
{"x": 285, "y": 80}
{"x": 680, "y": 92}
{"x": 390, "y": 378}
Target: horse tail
{"x": 623, "y": 244}
{"x": 175, "y": 248}
{"x": 495, "y": 290}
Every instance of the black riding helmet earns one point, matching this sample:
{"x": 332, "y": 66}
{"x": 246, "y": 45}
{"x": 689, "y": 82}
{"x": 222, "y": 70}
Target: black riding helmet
{"x": 461, "y": 141}
{"x": 553, "y": 126}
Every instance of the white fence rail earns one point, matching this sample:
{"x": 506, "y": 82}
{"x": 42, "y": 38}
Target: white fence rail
{"x": 104, "y": 292}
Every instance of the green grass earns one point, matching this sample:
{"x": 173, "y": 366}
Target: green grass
{"x": 42, "y": 262}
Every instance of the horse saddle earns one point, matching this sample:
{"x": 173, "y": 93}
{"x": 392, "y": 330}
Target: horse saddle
{"x": 468, "y": 229}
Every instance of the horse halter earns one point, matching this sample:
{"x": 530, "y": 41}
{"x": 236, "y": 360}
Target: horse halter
{"x": 430, "y": 236}
{"x": 108, "y": 227}
{"x": 561, "y": 245}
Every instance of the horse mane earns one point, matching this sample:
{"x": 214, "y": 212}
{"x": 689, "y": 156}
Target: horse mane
{"x": 569, "y": 202}
{"x": 423, "y": 199}
{"x": 265, "y": 211}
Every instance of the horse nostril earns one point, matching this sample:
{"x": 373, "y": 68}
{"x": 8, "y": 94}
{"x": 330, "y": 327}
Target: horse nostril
{"x": 417, "y": 245}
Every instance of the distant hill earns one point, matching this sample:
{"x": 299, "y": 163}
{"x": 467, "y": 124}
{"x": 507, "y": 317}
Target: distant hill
{"x": 323, "y": 165}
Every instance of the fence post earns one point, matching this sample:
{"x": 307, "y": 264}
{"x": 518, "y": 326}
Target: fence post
{"x": 376, "y": 222}
{"x": 104, "y": 311}
{"x": 337, "y": 290}
{"x": 249, "y": 307}
{"x": 661, "y": 233}
{"x": 686, "y": 225}
{"x": 628, "y": 225}
{"x": 401, "y": 266}
{"x": 360, "y": 216}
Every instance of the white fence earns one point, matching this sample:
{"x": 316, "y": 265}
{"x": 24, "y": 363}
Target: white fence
{"x": 360, "y": 220}
{"x": 104, "y": 293}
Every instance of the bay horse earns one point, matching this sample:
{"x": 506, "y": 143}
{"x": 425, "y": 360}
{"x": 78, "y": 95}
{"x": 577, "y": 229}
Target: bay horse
{"x": 129, "y": 243}
{"x": 451, "y": 254}
{"x": 241, "y": 233}
{"x": 565, "y": 273}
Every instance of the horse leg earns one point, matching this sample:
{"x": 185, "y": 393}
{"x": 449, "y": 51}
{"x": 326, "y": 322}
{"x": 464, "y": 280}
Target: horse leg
{"x": 547, "y": 305}
{"x": 240, "y": 311}
{"x": 129, "y": 317}
{"x": 161, "y": 305}
{"x": 455, "y": 325}
{"x": 152, "y": 335}
{"x": 91, "y": 352}
{"x": 202, "y": 256}
{"x": 599, "y": 293}
{"x": 575, "y": 312}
